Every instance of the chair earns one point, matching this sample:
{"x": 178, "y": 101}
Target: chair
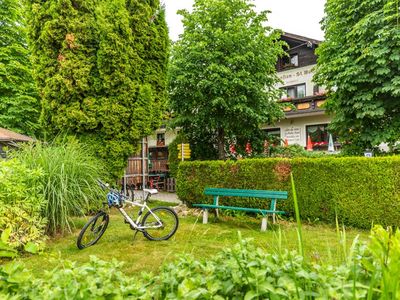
{"x": 157, "y": 182}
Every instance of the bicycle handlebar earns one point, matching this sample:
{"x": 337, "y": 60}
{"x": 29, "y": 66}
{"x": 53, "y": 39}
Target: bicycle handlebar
{"x": 106, "y": 186}
{"x": 103, "y": 185}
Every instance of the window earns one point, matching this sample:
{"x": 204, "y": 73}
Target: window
{"x": 319, "y": 136}
{"x": 316, "y": 89}
{"x": 295, "y": 91}
{"x": 275, "y": 132}
{"x": 160, "y": 139}
{"x": 290, "y": 61}
{"x": 158, "y": 153}
{"x": 3, "y": 153}
{"x": 274, "y": 135}
{"x": 294, "y": 60}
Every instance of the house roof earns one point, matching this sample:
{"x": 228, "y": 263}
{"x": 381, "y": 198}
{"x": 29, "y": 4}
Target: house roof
{"x": 299, "y": 38}
{"x": 11, "y": 136}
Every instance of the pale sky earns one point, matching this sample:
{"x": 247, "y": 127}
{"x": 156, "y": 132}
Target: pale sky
{"x": 293, "y": 16}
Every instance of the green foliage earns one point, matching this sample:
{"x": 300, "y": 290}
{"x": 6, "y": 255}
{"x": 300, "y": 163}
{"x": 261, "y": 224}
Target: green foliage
{"x": 382, "y": 260}
{"x": 19, "y": 103}
{"x": 223, "y": 72}
{"x": 292, "y": 151}
{"x": 96, "y": 279}
{"x": 69, "y": 179}
{"x": 21, "y": 201}
{"x": 5, "y": 249}
{"x": 371, "y": 271}
{"x": 362, "y": 191}
{"x": 20, "y": 185}
{"x": 101, "y": 71}
{"x": 173, "y": 160}
{"x": 26, "y": 226}
{"x": 359, "y": 60}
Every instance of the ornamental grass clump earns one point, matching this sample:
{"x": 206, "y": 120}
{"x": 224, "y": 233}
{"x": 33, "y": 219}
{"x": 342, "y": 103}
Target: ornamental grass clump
{"x": 69, "y": 180}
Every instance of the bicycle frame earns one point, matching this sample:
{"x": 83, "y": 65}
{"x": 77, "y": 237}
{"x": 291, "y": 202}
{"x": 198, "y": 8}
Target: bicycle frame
{"x": 133, "y": 223}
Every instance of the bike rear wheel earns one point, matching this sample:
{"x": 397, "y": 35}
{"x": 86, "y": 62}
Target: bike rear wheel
{"x": 93, "y": 230}
{"x": 162, "y": 228}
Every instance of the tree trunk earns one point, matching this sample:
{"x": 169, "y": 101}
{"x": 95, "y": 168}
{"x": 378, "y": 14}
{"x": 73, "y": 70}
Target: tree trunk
{"x": 221, "y": 143}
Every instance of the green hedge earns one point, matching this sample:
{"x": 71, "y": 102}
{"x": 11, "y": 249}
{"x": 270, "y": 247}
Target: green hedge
{"x": 361, "y": 190}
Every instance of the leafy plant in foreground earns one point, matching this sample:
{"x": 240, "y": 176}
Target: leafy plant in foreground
{"x": 244, "y": 271}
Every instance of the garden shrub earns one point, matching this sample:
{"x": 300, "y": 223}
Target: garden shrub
{"x": 25, "y": 226}
{"x": 94, "y": 280}
{"x": 21, "y": 201}
{"x": 360, "y": 191}
{"x": 69, "y": 181}
{"x": 295, "y": 150}
{"x": 371, "y": 270}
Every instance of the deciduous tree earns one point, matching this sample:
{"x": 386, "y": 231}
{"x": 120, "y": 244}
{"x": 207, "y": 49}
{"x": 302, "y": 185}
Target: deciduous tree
{"x": 222, "y": 73}
{"x": 359, "y": 62}
{"x": 19, "y": 102}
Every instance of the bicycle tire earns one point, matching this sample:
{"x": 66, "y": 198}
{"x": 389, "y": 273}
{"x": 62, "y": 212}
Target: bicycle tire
{"x": 170, "y": 221}
{"x": 98, "y": 231}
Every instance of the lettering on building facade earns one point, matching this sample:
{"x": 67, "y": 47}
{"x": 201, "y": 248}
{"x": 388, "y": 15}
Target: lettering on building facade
{"x": 293, "y": 135}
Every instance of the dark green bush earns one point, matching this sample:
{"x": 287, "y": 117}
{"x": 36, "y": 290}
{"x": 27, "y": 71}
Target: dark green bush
{"x": 361, "y": 191}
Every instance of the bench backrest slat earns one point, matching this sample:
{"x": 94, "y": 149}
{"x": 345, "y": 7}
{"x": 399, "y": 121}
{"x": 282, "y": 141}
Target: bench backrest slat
{"x": 246, "y": 193}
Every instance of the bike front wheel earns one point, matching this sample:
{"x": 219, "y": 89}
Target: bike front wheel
{"x": 160, "y": 223}
{"x": 93, "y": 230}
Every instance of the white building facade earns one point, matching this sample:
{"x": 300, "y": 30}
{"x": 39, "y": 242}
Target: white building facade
{"x": 305, "y": 121}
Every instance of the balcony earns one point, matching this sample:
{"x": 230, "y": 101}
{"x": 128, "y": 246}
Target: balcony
{"x": 304, "y": 105}
{"x": 158, "y": 166}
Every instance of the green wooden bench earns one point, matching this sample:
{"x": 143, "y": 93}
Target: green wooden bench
{"x": 263, "y": 194}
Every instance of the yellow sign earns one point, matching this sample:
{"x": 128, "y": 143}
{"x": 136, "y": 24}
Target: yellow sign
{"x": 185, "y": 148}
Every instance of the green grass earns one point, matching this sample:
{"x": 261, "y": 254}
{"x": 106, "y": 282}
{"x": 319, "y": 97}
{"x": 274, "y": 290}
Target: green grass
{"x": 201, "y": 240}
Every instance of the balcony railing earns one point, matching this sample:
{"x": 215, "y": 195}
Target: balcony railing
{"x": 159, "y": 165}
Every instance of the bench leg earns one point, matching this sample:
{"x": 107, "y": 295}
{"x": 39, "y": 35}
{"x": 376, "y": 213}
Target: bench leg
{"x": 216, "y": 212}
{"x": 264, "y": 223}
{"x": 205, "y": 216}
{"x": 273, "y": 218}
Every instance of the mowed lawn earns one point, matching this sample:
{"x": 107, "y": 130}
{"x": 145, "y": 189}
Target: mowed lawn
{"x": 322, "y": 242}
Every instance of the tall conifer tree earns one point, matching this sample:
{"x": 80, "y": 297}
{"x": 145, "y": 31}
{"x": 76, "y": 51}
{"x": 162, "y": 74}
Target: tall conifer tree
{"x": 19, "y": 103}
{"x": 97, "y": 73}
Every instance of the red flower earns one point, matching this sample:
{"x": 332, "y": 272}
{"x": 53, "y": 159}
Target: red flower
{"x": 248, "y": 148}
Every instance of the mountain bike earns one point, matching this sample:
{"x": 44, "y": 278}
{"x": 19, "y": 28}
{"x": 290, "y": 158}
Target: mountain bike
{"x": 157, "y": 224}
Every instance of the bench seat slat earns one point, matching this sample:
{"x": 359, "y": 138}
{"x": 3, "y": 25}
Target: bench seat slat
{"x": 263, "y": 211}
{"x": 245, "y": 193}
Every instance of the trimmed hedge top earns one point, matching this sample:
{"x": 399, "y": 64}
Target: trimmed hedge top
{"x": 361, "y": 191}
